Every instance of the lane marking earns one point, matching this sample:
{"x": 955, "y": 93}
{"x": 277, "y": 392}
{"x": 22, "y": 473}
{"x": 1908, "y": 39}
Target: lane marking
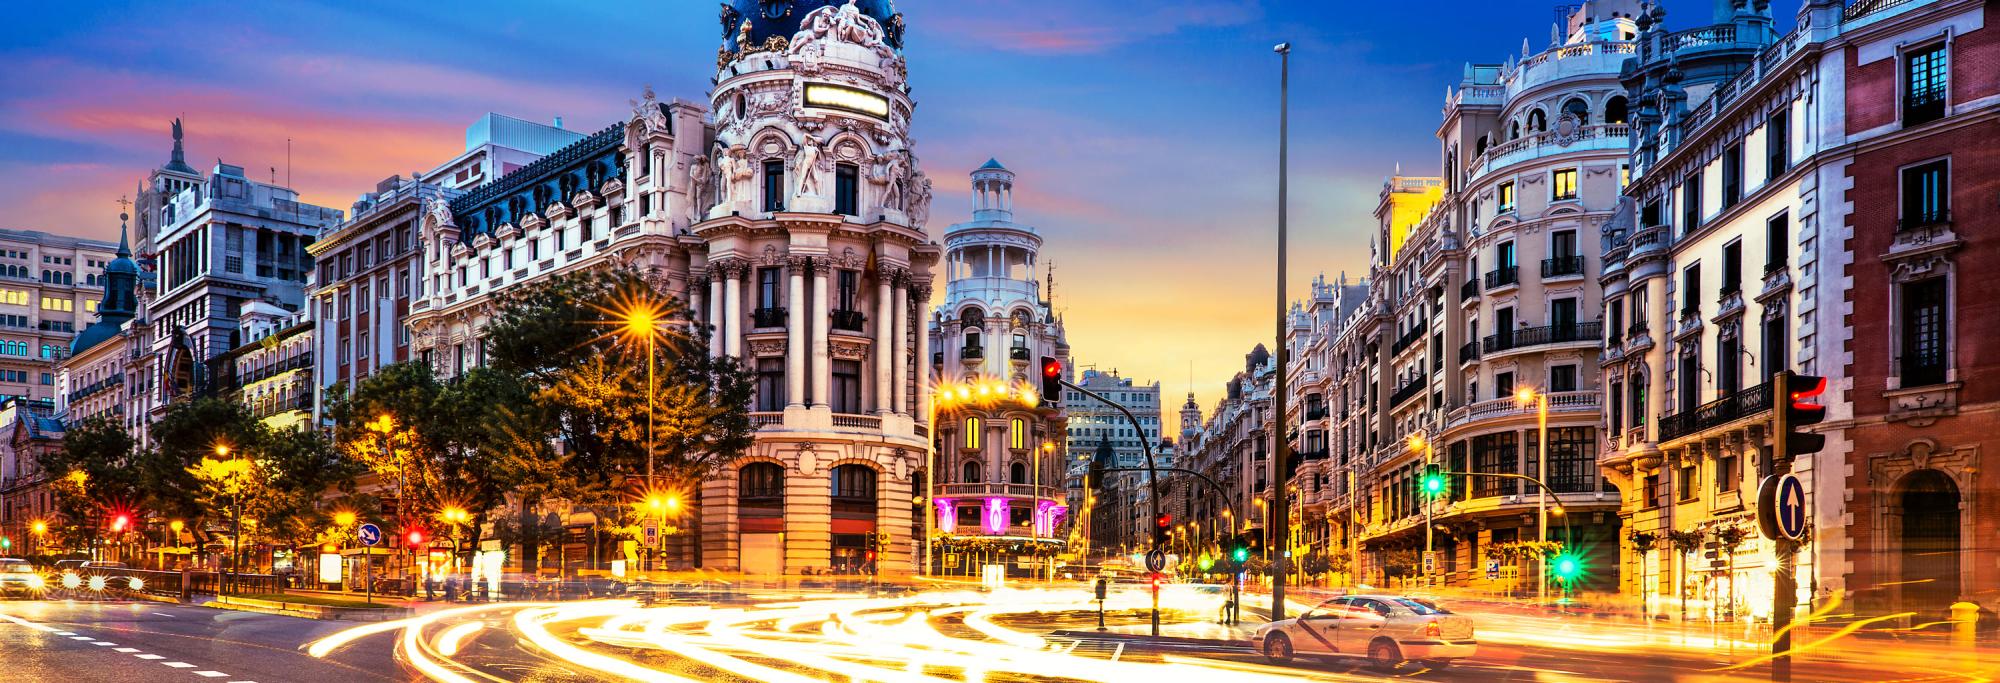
{"x": 210, "y": 674}
{"x": 179, "y": 665}
{"x": 101, "y": 643}
{"x": 64, "y": 633}
{"x": 81, "y": 638}
{"x": 126, "y": 650}
{"x": 164, "y": 614}
{"x": 148, "y": 657}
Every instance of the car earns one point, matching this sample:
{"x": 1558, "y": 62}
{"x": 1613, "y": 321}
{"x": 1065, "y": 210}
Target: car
{"x": 18, "y": 577}
{"x": 1386, "y": 629}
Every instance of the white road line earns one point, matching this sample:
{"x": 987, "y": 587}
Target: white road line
{"x": 101, "y": 643}
{"x": 242, "y": 682}
{"x": 179, "y": 665}
{"x": 210, "y": 674}
{"x": 126, "y": 650}
{"x": 81, "y": 638}
{"x": 148, "y": 657}
{"x": 64, "y": 633}
{"x": 164, "y": 614}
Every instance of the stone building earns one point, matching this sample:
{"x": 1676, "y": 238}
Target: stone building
{"x": 1000, "y": 444}
{"x": 271, "y": 372}
{"x": 788, "y": 212}
{"x": 1232, "y": 448}
{"x": 49, "y": 287}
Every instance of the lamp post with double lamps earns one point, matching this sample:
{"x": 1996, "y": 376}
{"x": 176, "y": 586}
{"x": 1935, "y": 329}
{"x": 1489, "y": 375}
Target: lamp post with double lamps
{"x": 1540, "y": 401}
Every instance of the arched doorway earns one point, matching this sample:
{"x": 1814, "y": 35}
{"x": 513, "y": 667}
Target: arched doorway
{"x": 854, "y": 506}
{"x": 1928, "y": 529}
{"x": 760, "y": 513}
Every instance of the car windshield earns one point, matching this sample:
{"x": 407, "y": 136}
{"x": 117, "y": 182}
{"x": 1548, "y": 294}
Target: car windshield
{"x": 1419, "y": 606}
{"x": 15, "y": 566}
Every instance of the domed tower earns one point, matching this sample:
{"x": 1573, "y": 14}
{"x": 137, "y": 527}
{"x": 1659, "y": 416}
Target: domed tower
{"x": 991, "y": 331}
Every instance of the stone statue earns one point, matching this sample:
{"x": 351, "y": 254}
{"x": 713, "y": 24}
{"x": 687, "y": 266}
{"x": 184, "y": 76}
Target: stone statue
{"x": 816, "y": 27}
{"x": 854, "y": 27}
{"x": 698, "y": 181}
{"x": 648, "y": 110}
{"x": 439, "y": 213}
{"x": 811, "y": 183}
{"x": 920, "y": 200}
{"x": 736, "y": 175}
{"x": 893, "y": 173}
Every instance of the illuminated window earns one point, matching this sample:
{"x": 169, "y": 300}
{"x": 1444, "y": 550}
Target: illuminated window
{"x": 90, "y": 305}
{"x": 1506, "y": 196}
{"x": 13, "y": 296}
{"x": 971, "y": 432}
{"x": 1017, "y": 433}
{"x": 1565, "y": 184}
{"x": 50, "y": 303}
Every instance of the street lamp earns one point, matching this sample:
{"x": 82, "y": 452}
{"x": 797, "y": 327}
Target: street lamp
{"x": 1418, "y": 442}
{"x": 1278, "y": 456}
{"x": 1540, "y": 400}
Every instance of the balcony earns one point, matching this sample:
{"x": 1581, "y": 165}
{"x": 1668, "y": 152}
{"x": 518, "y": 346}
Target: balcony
{"x": 1559, "y": 402}
{"x": 1410, "y": 338}
{"x": 850, "y": 321}
{"x": 773, "y": 316}
{"x": 1468, "y": 291}
{"x": 1316, "y": 412}
{"x": 1468, "y": 353}
{"x": 1504, "y": 277}
{"x": 1407, "y": 391}
{"x": 1539, "y": 336}
{"x": 1742, "y": 404}
{"x": 1018, "y": 353}
{"x": 994, "y": 488}
{"x": 972, "y": 354}
{"x": 1562, "y": 266}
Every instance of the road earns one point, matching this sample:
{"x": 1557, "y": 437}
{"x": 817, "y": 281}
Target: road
{"x": 940, "y": 635}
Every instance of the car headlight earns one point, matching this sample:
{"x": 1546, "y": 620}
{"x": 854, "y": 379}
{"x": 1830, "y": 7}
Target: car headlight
{"x": 35, "y": 582}
{"x": 71, "y": 581}
{"x": 97, "y": 583}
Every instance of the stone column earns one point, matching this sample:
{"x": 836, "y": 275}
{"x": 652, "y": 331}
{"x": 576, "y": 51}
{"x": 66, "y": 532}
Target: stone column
{"x": 732, "y": 313}
{"x": 1660, "y": 319}
{"x": 715, "y": 278}
{"x": 884, "y": 326}
{"x": 795, "y": 331}
{"x": 822, "y": 366}
{"x": 898, "y": 349}
{"x": 924, "y": 379}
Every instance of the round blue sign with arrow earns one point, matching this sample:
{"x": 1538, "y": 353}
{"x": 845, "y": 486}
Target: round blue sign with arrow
{"x": 1781, "y": 508}
{"x": 369, "y": 534}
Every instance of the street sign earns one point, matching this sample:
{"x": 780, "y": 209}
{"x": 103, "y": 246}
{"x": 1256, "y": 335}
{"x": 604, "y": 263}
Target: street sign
{"x": 1156, "y": 560}
{"x": 1430, "y": 562}
{"x": 1781, "y": 508}
{"x": 951, "y": 560}
{"x": 1492, "y": 569}
{"x": 369, "y": 534}
{"x": 652, "y": 534}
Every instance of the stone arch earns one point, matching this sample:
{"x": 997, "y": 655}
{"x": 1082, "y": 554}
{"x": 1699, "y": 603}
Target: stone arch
{"x": 1537, "y": 121}
{"x": 1924, "y": 508}
{"x": 1617, "y": 110}
{"x": 1578, "y": 107}
{"x": 770, "y": 143}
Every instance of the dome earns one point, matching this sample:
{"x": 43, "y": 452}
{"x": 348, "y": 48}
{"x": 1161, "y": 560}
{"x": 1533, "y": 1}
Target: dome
{"x": 769, "y": 18}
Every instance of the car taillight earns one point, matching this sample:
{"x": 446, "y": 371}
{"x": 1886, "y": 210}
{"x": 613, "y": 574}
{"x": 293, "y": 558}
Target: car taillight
{"x": 1432, "y": 629}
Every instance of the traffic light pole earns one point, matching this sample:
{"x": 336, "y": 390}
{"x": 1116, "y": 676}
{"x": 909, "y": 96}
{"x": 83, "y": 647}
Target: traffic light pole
{"x": 1152, "y": 474}
{"x": 1784, "y": 582}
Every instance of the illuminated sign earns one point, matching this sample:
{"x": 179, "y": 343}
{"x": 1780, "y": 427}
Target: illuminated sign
{"x": 843, "y": 98}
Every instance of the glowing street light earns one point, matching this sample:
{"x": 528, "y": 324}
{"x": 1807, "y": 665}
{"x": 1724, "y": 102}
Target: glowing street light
{"x": 1540, "y": 401}
{"x": 343, "y": 518}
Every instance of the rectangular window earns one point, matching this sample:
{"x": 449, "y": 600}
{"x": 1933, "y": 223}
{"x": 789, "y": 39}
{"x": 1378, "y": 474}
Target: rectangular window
{"x": 1925, "y": 81}
{"x": 1562, "y": 244}
{"x": 1563, "y": 185}
{"x": 846, "y": 396}
{"x": 1691, "y": 203}
{"x": 1778, "y": 144}
{"x": 1652, "y": 214}
{"x": 50, "y": 303}
{"x": 1495, "y": 454}
{"x": 850, "y": 286}
{"x": 774, "y": 186}
{"x": 770, "y": 384}
{"x": 1728, "y": 365}
{"x": 1690, "y": 380}
{"x": 1655, "y": 493}
{"x": 1684, "y": 484}
{"x": 1728, "y": 472}
{"x": 973, "y": 432}
{"x": 1562, "y": 378}
{"x": 1616, "y": 399}
{"x": 1732, "y": 268}
{"x": 1926, "y": 195}
{"x": 1924, "y": 332}
{"x": 847, "y": 189}
{"x": 1691, "y": 291}
{"x": 1732, "y": 175}
{"x": 1775, "y": 356}
{"x": 768, "y": 289}
{"x": 1503, "y": 385}
{"x": 1017, "y": 434}
{"x": 1777, "y": 234}
{"x": 1506, "y": 197}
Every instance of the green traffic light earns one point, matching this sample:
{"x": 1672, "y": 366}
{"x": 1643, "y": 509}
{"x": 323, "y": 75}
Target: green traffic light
{"x": 1434, "y": 484}
{"x": 1205, "y": 562}
{"x": 6, "y": 543}
{"x": 1240, "y": 554}
{"x": 1567, "y": 567}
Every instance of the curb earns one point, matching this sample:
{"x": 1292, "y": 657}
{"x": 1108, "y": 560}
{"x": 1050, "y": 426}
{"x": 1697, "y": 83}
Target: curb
{"x": 316, "y": 612}
{"x": 1165, "y": 640}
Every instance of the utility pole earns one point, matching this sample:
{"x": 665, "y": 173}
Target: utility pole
{"x": 1784, "y": 581}
{"x": 1280, "y": 513}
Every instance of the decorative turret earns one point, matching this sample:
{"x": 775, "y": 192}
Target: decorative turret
{"x": 121, "y": 301}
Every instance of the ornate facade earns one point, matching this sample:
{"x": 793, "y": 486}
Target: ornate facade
{"x": 1000, "y": 445}
{"x": 789, "y": 213}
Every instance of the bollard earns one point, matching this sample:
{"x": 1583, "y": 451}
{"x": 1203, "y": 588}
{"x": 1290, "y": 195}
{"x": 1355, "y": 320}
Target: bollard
{"x": 1965, "y": 624}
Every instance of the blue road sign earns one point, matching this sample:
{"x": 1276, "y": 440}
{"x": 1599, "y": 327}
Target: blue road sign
{"x": 369, "y": 534}
{"x": 1791, "y": 507}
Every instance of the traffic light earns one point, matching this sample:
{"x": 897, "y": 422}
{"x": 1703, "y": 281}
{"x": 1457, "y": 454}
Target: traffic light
{"x": 1433, "y": 483}
{"x": 416, "y": 538}
{"x": 1239, "y": 549}
{"x": 1161, "y": 525}
{"x": 1204, "y": 562}
{"x": 1157, "y": 579}
{"x": 1052, "y": 371}
{"x": 1254, "y": 541}
{"x": 1566, "y": 567}
{"x": 1803, "y": 407}
{"x": 121, "y": 522}
{"x": 6, "y": 543}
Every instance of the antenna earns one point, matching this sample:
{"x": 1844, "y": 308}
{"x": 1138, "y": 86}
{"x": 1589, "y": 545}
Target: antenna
{"x": 288, "y": 162}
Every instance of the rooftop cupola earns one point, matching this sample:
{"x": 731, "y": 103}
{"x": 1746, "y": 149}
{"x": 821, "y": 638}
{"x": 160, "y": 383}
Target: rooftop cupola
{"x": 992, "y": 192}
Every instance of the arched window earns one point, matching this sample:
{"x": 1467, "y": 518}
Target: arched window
{"x": 1017, "y": 473}
{"x": 761, "y": 484}
{"x": 972, "y": 340}
{"x": 1614, "y": 110}
{"x": 1515, "y": 133}
{"x": 854, "y": 483}
{"x": 1479, "y": 147}
{"x": 1538, "y": 122}
{"x": 972, "y": 433}
{"x": 969, "y": 472}
{"x": 1017, "y": 434}
{"x": 1576, "y": 107}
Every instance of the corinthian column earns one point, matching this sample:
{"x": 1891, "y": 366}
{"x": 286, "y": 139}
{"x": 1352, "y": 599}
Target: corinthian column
{"x": 732, "y": 313}
{"x": 715, "y": 276}
{"x": 899, "y": 349}
{"x": 924, "y": 380}
{"x": 795, "y": 331}
{"x": 885, "y": 324}
{"x": 822, "y": 365}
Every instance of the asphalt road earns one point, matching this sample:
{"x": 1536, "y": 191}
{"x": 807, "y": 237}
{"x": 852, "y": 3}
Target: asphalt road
{"x": 131, "y": 642}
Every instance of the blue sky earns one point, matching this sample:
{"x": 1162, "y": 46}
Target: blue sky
{"x": 1144, "y": 132}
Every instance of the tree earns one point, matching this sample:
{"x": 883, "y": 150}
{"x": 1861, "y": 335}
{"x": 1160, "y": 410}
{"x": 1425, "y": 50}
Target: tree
{"x": 184, "y": 435}
{"x": 92, "y": 477}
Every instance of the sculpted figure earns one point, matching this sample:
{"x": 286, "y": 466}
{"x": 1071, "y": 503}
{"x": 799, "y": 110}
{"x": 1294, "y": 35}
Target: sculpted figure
{"x": 816, "y": 27}
{"x": 854, "y": 27}
{"x": 810, "y": 180}
{"x": 698, "y": 182}
{"x": 920, "y": 200}
{"x": 439, "y": 212}
{"x": 895, "y": 172}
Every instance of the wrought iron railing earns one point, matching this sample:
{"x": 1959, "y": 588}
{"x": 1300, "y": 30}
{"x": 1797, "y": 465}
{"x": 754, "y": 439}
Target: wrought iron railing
{"x": 848, "y": 320}
{"x": 1503, "y": 277}
{"x": 1548, "y": 334}
{"x": 1736, "y": 406}
{"x": 1562, "y": 265}
{"x": 773, "y": 316}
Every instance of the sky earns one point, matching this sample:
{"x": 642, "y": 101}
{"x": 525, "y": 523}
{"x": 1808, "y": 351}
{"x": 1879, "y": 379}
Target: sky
{"x": 1144, "y": 133}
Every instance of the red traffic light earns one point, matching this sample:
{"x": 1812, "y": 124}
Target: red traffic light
{"x": 416, "y": 538}
{"x": 1164, "y": 521}
{"x": 1805, "y": 391}
{"x": 121, "y": 522}
{"x": 1051, "y": 367}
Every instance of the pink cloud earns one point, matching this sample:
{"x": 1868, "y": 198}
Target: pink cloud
{"x": 1060, "y": 27}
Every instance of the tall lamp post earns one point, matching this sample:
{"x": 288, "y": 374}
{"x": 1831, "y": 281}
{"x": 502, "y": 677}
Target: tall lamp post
{"x": 1540, "y": 400}
{"x": 1280, "y": 520}
{"x": 235, "y": 477}
{"x": 1419, "y": 441}
{"x": 642, "y": 319}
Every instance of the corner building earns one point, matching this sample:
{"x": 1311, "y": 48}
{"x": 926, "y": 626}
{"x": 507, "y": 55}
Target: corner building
{"x": 788, "y": 212}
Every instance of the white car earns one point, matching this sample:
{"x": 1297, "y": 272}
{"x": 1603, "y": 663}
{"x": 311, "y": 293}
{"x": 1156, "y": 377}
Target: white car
{"x": 18, "y": 577}
{"x": 1387, "y": 629}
